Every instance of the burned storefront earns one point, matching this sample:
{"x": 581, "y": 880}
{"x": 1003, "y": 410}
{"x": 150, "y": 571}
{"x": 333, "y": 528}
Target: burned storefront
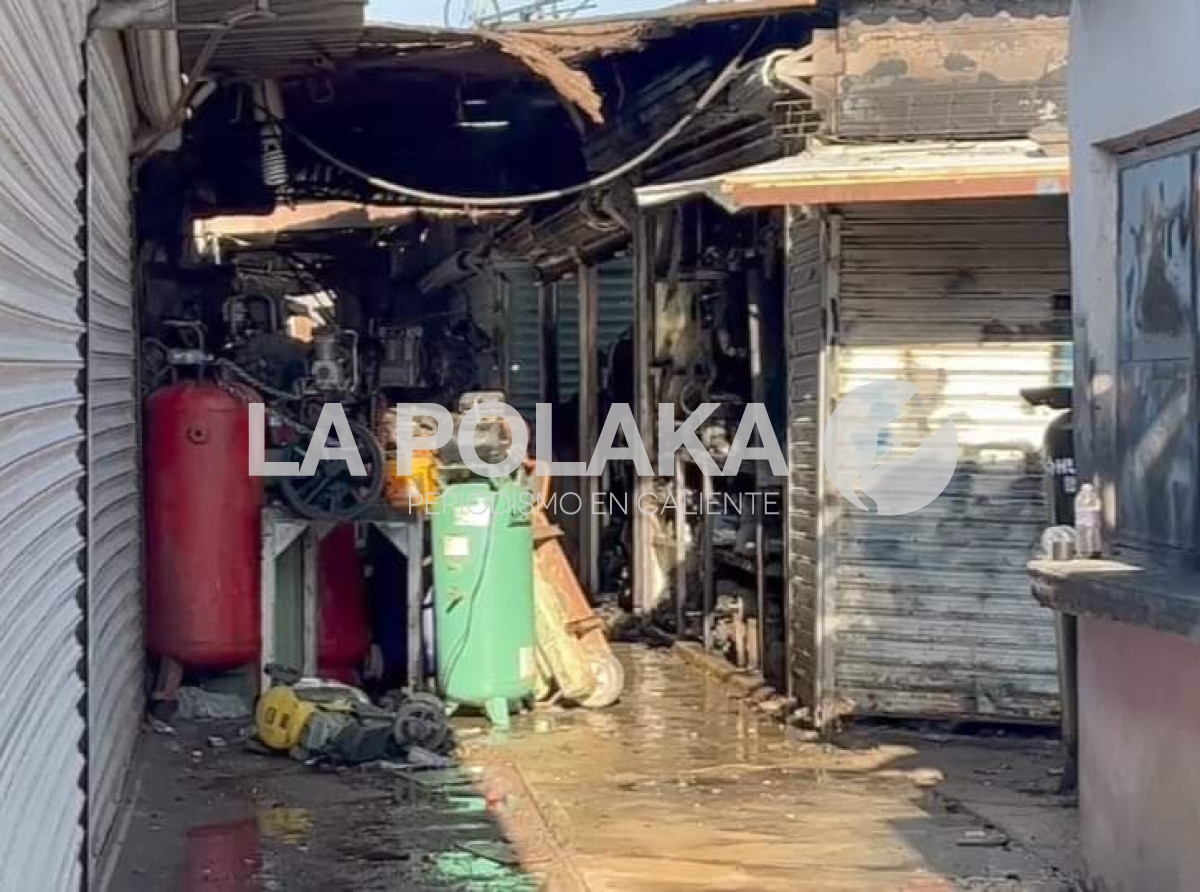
{"x": 681, "y": 308}
{"x": 278, "y": 271}
{"x": 706, "y": 213}
{"x": 926, "y": 245}
{"x": 406, "y": 216}
{"x": 449, "y": 397}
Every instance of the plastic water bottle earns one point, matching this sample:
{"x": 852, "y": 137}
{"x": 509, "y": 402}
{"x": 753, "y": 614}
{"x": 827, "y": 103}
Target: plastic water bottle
{"x": 1087, "y": 521}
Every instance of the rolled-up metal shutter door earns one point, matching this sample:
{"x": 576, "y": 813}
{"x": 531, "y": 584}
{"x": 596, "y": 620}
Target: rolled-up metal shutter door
{"x": 566, "y": 335}
{"x": 806, "y": 351}
{"x": 969, "y": 301}
{"x": 614, "y": 303}
{"x": 114, "y": 502}
{"x": 523, "y": 337}
{"x": 41, "y": 435}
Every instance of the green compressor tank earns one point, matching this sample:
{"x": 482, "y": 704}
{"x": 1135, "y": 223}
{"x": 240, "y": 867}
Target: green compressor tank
{"x": 483, "y": 595}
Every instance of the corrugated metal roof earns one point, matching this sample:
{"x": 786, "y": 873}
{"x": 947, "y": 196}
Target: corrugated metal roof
{"x": 303, "y": 36}
{"x": 835, "y": 174}
{"x": 323, "y": 216}
{"x": 306, "y": 35}
{"x": 677, "y": 13}
{"x": 298, "y": 35}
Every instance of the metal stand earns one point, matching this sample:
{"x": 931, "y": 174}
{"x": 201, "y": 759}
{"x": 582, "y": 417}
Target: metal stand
{"x": 281, "y": 528}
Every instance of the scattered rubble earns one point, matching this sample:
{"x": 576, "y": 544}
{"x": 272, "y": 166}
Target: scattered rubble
{"x": 198, "y": 705}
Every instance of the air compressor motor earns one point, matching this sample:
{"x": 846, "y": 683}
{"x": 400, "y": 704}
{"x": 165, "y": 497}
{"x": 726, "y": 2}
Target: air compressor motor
{"x": 313, "y": 718}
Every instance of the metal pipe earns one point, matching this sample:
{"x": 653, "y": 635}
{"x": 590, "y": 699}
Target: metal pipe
{"x": 458, "y": 267}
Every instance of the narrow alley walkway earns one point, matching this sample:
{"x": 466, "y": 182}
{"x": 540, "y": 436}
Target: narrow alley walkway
{"x": 680, "y": 786}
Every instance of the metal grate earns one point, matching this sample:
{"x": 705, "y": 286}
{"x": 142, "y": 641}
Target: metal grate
{"x": 795, "y": 121}
{"x": 963, "y": 112}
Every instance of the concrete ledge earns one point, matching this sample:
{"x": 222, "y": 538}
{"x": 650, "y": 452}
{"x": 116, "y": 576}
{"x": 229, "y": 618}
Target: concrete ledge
{"x": 1162, "y": 599}
{"x": 746, "y": 684}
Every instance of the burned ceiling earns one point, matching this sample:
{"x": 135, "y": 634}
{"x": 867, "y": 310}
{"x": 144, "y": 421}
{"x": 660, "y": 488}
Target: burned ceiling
{"x": 352, "y": 108}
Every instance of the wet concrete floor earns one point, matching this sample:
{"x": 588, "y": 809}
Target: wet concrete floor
{"x": 681, "y": 786}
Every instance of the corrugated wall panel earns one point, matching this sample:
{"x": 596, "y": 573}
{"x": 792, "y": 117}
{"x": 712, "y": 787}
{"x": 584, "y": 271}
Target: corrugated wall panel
{"x": 41, "y": 658}
{"x": 566, "y": 334}
{"x": 114, "y": 496}
{"x": 614, "y": 301}
{"x": 968, "y": 301}
{"x": 805, "y": 340}
{"x": 523, "y": 334}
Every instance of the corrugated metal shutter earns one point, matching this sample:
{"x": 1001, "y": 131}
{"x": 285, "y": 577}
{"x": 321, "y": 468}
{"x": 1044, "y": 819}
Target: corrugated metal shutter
{"x": 114, "y": 499}
{"x": 967, "y": 300}
{"x": 566, "y": 337}
{"x": 614, "y": 301}
{"x": 523, "y": 338}
{"x": 41, "y": 583}
{"x": 805, "y": 339}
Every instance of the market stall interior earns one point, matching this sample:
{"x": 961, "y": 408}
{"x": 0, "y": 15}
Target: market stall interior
{"x": 447, "y": 218}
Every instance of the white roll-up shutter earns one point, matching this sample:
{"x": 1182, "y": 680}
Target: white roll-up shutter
{"x": 41, "y": 435}
{"x": 968, "y": 300}
{"x": 114, "y": 500}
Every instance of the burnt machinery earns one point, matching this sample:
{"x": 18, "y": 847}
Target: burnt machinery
{"x": 296, "y": 365}
{"x": 295, "y": 375}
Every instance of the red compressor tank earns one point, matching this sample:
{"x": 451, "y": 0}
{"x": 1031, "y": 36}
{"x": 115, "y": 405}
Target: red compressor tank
{"x": 203, "y": 527}
{"x": 345, "y": 633}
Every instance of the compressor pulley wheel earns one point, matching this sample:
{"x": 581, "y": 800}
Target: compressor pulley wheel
{"x": 421, "y": 721}
{"x": 334, "y": 492}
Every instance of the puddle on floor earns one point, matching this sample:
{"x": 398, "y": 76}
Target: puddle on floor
{"x": 678, "y": 786}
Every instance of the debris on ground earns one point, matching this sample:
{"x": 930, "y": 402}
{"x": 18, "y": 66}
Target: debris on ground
{"x": 986, "y": 838}
{"x": 198, "y": 705}
{"x": 419, "y": 757}
{"x": 322, "y": 722}
{"x": 563, "y": 802}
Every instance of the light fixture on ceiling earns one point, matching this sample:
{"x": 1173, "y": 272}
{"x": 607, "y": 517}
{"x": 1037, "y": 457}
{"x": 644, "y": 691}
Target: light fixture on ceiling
{"x": 473, "y": 114}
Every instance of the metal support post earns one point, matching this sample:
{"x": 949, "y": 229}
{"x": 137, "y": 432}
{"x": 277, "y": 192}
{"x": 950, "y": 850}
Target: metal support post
{"x": 644, "y": 577}
{"x": 589, "y": 411}
{"x": 758, "y": 394}
{"x": 681, "y": 546}
{"x": 311, "y": 545}
{"x": 279, "y": 531}
{"x": 408, "y": 537}
{"x": 416, "y": 601}
{"x": 706, "y": 493}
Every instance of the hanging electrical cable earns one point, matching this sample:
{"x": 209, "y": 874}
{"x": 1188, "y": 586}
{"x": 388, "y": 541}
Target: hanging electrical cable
{"x": 504, "y": 201}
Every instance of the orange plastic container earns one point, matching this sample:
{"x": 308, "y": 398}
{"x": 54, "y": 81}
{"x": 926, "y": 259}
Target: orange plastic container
{"x": 416, "y": 491}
